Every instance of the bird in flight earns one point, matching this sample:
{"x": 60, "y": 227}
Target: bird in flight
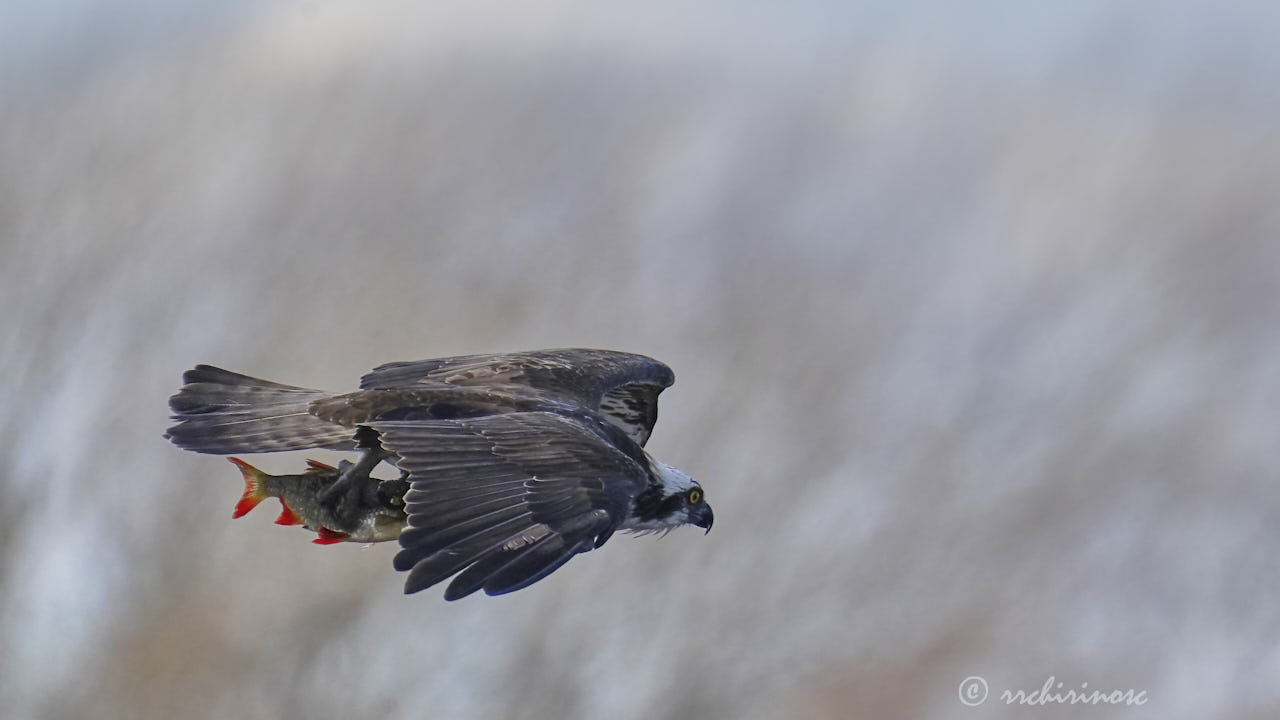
{"x": 514, "y": 462}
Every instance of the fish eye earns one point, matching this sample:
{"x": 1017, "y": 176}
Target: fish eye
{"x": 694, "y": 496}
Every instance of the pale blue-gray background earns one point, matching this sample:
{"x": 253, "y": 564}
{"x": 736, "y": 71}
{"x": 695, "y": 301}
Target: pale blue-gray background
{"x": 973, "y": 309}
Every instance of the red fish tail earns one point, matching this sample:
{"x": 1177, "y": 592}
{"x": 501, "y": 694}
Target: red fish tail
{"x": 255, "y": 489}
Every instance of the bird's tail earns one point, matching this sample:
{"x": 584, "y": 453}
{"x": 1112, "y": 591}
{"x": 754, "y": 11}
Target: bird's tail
{"x": 222, "y": 412}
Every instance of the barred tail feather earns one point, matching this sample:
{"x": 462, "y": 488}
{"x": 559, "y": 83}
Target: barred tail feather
{"x": 222, "y": 412}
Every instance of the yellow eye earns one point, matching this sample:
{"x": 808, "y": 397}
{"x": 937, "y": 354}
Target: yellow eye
{"x": 694, "y": 496}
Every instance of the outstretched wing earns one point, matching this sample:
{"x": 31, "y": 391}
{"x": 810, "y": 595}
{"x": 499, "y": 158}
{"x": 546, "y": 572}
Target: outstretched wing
{"x": 621, "y": 387}
{"x": 504, "y": 500}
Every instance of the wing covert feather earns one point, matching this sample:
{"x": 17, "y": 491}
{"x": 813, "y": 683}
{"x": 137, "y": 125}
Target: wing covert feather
{"x": 621, "y": 387}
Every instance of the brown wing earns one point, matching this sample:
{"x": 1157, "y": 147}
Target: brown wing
{"x": 621, "y": 387}
{"x": 424, "y": 402}
{"x": 503, "y": 501}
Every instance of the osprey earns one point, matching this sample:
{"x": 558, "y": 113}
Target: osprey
{"x": 515, "y": 462}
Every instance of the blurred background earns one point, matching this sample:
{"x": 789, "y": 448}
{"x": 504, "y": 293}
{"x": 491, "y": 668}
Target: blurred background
{"x": 972, "y": 307}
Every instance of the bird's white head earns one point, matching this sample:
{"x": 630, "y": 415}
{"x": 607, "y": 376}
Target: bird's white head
{"x": 674, "y": 500}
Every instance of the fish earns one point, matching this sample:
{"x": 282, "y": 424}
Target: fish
{"x": 368, "y": 511}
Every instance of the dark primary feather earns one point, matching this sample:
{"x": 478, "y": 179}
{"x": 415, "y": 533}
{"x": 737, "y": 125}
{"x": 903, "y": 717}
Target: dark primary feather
{"x": 504, "y": 500}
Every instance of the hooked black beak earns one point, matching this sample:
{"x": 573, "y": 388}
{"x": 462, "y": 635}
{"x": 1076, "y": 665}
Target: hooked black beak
{"x": 703, "y": 518}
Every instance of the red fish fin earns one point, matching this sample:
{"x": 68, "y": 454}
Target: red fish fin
{"x": 329, "y": 537}
{"x": 255, "y": 490}
{"x": 287, "y": 515}
{"x": 315, "y": 466}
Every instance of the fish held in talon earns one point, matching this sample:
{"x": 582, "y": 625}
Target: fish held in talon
{"x": 371, "y": 510}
